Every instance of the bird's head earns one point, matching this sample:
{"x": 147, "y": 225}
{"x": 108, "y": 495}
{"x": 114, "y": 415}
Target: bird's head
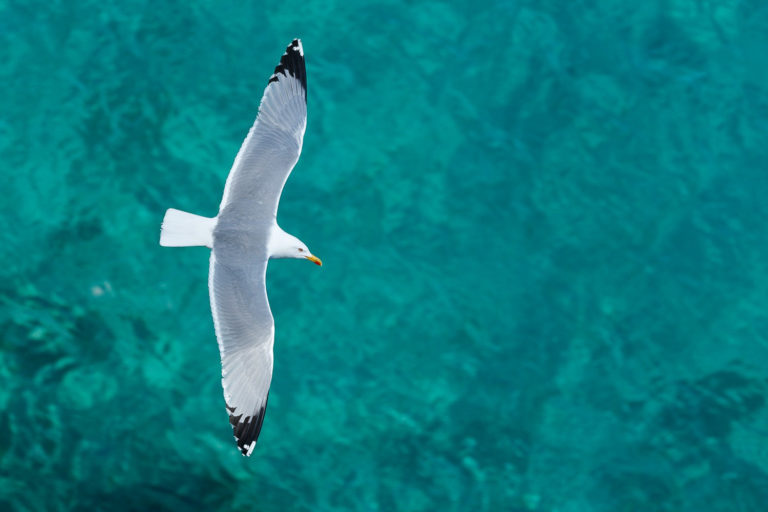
{"x": 302, "y": 251}
{"x": 283, "y": 245}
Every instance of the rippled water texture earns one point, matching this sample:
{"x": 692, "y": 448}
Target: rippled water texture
{"x": 544, "y": 233}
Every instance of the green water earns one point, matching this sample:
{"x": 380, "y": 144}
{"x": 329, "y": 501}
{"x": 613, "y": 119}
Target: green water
{"x": 544, "y": 233}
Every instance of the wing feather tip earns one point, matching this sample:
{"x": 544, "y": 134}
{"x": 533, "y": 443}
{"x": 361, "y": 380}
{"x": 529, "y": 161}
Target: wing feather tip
{"x": 247, "y": 429}
{"x": 291, "y": 64}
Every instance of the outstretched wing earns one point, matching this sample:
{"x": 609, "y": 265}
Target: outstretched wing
{"x": 245, "y": 332}
{"x": 273, "y": 144}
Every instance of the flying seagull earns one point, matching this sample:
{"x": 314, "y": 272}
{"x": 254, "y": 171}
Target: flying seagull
{"x": 243, "y": 237}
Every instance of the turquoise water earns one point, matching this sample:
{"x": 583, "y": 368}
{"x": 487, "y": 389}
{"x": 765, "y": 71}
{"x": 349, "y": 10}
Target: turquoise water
{"x": 543, "y": 227}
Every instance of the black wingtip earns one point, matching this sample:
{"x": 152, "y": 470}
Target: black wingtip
{"x": 292, "y": 64}
{"x": 247, "y": 429}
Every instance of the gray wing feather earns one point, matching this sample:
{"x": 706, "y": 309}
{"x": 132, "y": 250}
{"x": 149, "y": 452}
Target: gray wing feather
{"x": 245, "y": 332}
{"x": 273, "y": 144}
{"x": 237, "y": 278}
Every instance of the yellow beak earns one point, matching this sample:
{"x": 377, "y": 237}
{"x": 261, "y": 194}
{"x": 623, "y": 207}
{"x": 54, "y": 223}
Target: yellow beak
{"x": 315, "y": 260}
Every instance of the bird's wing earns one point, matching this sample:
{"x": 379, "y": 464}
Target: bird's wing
{"x": 245, "y": 332}
{"x": 273, "y": 144}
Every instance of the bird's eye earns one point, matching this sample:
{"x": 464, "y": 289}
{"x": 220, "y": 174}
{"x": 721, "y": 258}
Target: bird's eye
{"x": 301, "y": 250}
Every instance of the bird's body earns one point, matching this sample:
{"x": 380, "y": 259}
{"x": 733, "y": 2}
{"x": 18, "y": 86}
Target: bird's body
{"x": 243, "y": 237}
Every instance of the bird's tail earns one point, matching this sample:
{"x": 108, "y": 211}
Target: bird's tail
{"x": 182, "y": 229}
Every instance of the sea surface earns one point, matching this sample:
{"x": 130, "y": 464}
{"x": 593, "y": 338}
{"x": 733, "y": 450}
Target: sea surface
{"x": 544, "y": 228}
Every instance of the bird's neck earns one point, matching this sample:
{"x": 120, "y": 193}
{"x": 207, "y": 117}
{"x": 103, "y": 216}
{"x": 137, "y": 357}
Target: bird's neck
{"x": 281, "y": 244}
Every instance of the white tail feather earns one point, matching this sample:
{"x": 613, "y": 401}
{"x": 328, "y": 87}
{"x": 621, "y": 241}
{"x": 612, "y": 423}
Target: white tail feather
{"x": 182, "y": 229}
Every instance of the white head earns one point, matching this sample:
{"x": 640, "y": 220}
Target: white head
{"x": 283, "y": 245}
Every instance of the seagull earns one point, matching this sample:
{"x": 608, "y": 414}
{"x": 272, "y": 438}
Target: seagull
{"x": 243, "y": 237}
